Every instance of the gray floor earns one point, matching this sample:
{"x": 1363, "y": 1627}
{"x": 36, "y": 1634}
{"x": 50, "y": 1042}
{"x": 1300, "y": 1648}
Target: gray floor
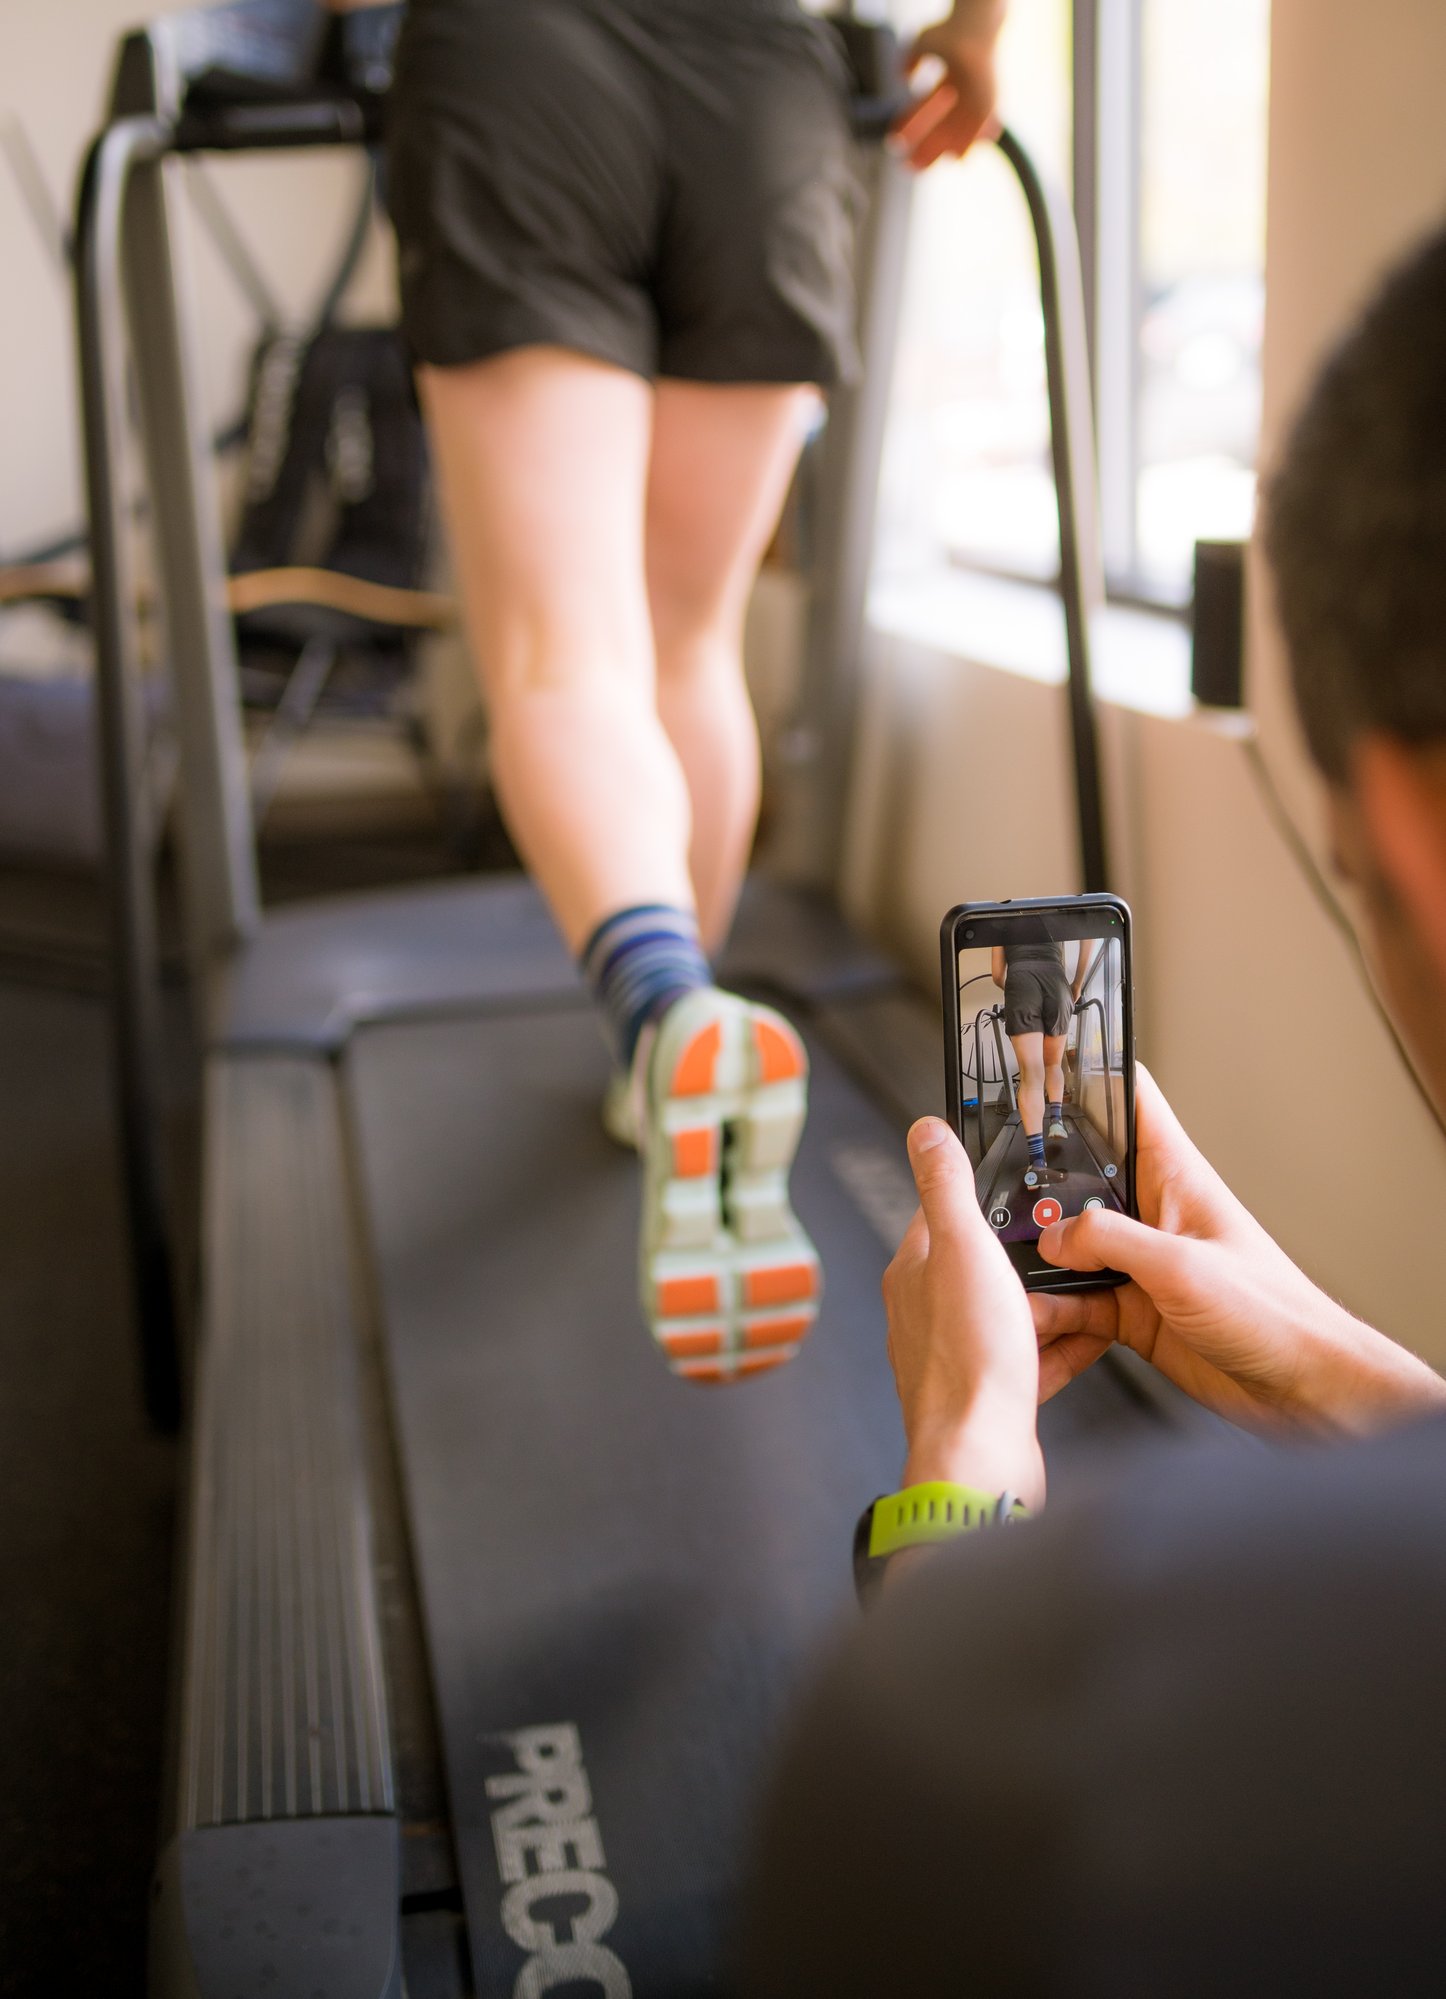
{"x": 86, "y": 1526}
{"x": 88, "y": 1507}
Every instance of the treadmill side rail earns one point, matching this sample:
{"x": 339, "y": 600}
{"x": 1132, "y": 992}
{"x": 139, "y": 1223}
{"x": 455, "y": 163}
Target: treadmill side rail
{"x": 284, "y": 1743}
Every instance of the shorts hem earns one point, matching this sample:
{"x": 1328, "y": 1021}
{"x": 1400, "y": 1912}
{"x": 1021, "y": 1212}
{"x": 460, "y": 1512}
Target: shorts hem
{"x": 815, "y": 371}
{"x": 460, "y": 345}
{"x": 817, "y": 374}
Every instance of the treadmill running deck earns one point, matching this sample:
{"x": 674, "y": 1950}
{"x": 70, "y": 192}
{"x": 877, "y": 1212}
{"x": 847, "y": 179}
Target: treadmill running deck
{"x": 600, "y": 1547}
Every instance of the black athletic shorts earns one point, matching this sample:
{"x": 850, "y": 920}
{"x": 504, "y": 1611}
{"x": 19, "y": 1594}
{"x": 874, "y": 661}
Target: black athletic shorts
{"x": 1037, "y": 999}
{"x": 668, "y": 185}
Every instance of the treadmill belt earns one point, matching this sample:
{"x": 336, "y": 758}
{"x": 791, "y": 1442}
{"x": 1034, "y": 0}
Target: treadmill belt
{"x": 1080, "y": 1175}
{"x": 623, "y": 1576}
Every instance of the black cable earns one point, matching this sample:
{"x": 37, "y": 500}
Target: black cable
{"x": 1298, "y": 847}
{"x": 230, "y": 246}
{"x": 15, "y": 141}
{"x": 351, "y": 254}
{"x": 964, "y": 1070}
{"x": 251, "y": 281}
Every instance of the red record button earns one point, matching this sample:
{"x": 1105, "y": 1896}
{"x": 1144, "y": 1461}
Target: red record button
{"x": 1047, "y": 1210}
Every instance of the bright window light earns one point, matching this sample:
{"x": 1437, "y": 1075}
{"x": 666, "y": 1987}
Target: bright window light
{"x": 1172, "y": 209}
{"x": 966, "y": 472}
{"x": 1204, "y": 96}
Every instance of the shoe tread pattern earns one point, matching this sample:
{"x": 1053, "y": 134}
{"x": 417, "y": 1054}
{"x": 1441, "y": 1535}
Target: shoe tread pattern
{"x": 730, "y": 1280}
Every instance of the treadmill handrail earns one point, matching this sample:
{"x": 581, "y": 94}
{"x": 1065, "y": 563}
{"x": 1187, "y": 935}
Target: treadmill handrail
{"x": 810, "y": 828}
{"x": 1097, "y": 969}
{"x": 997, "y": 1017}
{"x": 1072, "y": 449}
{"x": 330, "y": 120}
{"x": 983, "y": 1014}
{"x": 1085, "y": 1006}
{"x": 1101, "y": 962}
{"x": 131, "y": 911}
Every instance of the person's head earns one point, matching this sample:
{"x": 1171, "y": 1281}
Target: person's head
{"x": 1355, "y": 534}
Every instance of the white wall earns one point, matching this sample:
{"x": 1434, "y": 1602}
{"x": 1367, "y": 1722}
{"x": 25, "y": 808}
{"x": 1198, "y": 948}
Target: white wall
{"x": 1357, "y": 173}
{"x": 55, "y": 62}
{"x": 1298, "y": 1096}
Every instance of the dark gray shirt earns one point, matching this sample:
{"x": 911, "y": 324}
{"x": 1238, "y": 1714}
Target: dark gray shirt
{"x": 1186, "y": 1739}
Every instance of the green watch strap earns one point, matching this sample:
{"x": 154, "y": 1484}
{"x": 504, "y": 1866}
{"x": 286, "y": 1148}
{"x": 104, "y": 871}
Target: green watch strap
{"x": 920, "y": 1516}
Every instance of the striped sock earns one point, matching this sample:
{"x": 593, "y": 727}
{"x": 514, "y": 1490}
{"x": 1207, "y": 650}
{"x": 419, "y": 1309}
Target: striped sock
{"x": 637, "y": 963}
{"x": 1036, "y": 1147}
{"x": 1055, "y": 1114}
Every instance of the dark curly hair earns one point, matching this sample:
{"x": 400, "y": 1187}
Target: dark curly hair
{"x": 1355, "y": 525}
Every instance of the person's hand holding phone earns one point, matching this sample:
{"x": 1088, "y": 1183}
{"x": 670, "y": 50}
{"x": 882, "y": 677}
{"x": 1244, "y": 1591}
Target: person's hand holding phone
{"x": 1216, "y": 1305}
{"x": 961, "y": 1341}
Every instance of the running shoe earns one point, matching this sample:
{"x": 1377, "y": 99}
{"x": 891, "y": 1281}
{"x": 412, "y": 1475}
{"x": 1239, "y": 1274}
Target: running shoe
{"x": 620, "y": 1111}
{"x": 1057, "y": 1130}
{"x": 730, "y": 1282}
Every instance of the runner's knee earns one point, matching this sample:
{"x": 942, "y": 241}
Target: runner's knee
{"x": 532, "y": 647}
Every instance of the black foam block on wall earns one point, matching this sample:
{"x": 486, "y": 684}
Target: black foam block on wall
{"x": 1217, "y": 625}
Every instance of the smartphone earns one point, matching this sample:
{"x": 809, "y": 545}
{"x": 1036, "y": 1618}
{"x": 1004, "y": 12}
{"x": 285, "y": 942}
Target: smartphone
{"x": 1039, "y": 1066}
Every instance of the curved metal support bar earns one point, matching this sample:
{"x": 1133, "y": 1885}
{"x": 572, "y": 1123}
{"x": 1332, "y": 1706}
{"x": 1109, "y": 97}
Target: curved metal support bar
{"x": 354, "y": 248}
{"x": 982, "y": 1015}
{"x": 1098, "y": 1006}
{"x": 1004, "y": 1069}
{"x": 132, "y": 914}
{"x": 1071, "y": 427}
{"x": 809, "y": 832}
{"x": 1101, "y": 964}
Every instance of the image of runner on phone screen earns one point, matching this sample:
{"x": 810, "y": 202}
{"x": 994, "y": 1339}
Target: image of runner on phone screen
{"x": 1039, "y": 1002}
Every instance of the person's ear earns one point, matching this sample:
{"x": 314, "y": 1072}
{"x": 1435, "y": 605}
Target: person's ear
{"x": 1401, "y": 802}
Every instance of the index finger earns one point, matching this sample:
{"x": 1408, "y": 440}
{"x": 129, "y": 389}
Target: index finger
{"x": 950, "y": 139}
{"x": 919, "y": 120}
{"x": 1074, "y": 1328}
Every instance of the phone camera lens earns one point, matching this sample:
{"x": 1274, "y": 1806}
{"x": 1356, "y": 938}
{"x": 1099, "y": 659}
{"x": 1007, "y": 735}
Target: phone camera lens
{"x": 968, "y": 933}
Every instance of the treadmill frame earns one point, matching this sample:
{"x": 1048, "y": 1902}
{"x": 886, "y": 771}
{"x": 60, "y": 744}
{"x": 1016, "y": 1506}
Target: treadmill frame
{"x": 131, "y": 279}
{"x": 130, "y": 271}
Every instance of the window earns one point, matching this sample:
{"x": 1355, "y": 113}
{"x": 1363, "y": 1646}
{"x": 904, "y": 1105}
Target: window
{"x": 1204, "y": 70}
{"x": 966, "y": 473}
{"x": 1155, "y": 111}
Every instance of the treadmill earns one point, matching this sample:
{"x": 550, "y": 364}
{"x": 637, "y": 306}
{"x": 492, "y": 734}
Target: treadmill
{"x": 486, "y": 1624}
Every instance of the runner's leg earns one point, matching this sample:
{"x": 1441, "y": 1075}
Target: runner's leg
{"x": 542, "y": 464}
{"x": 1029, "y": 1048}
{"x": 722, "y": 459}
{"x": 1053, "y": 1058}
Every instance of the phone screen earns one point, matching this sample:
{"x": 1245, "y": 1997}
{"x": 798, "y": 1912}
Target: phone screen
{"x": 1045, "y": 1033}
